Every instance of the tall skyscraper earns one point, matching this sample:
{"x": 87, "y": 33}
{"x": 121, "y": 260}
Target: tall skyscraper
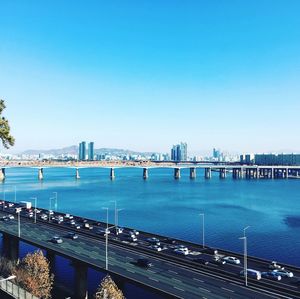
{"x": 82, "y": 151}
{"x": 179, "y": 152}
{"x": 91, "y": 151}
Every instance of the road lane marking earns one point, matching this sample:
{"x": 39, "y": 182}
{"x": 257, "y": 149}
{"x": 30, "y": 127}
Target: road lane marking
{"x": 177, "y": 288}
{"x": 171, "y": 271}
{"x": 206, "y": 290}
{"x": 225, "y": 289}
{"x": 177, "y": 280}
{"x": 153, "y": 279}
{"x": 198, "y": 279}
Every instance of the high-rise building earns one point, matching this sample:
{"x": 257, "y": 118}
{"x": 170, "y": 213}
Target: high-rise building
{"x": 91, "y": 151}
{"x": 179, "y": 152}
{"x": 82, "y": 151}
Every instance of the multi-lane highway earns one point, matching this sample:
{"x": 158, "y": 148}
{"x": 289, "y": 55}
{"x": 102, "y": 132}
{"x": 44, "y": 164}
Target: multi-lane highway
{"x": 177, "y": 275}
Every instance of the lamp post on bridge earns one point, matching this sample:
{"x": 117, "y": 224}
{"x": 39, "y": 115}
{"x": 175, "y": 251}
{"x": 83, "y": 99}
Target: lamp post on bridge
{"x": 35, "y": 203}
{"x": 55, "y": 204}
{"x": 203, "y": 233}
{"x": 50, "y": 206}
{"x": 18, "y": 211}
{"x": 244, "y": 238}
{"x": 106, "y": 240}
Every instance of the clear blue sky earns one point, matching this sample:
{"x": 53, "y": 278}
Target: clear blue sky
{"x": 147, "y": 74}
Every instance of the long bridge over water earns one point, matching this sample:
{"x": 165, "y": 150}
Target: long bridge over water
{"x": 237, "y": 171}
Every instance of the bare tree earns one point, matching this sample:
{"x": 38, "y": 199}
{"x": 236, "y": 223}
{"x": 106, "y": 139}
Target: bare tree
{"x": 108, "y": 290}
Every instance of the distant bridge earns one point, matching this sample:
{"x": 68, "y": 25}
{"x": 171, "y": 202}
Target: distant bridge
{"x": 224, "y": 169}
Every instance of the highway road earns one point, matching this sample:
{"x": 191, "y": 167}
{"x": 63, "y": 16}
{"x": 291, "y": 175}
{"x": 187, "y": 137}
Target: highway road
{"x": 174, "y": 275}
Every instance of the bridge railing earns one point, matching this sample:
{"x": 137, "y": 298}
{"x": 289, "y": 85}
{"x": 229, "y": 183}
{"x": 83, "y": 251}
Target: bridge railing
{"x": 15, "y": 291}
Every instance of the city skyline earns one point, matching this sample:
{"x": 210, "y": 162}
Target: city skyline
{"x": 144, "y": 76}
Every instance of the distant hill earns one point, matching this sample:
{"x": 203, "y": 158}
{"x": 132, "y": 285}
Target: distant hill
{"x": 73, "y": 150}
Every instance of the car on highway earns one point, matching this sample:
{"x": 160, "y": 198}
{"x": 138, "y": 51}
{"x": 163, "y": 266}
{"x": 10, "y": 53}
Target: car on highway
{"x": 217, "y": 261}
{"x": 72, "y": 236}
{"x": 4, "y": 218}
{"x": 119, "y": 230}
{"x": 231, "y": 260}
{"x": 102, "y": 231}
{"x": 144, "y": 263}
{"x": 153, "y": 240}
{"x": 284, "y": 273}
{"x": 181, "y": 251}
{"x": 56, "y": 240}
{"x": 275, "y": 266}
{"x": 11, "y": 217}
{"x": 209, "y": 250}
{"x": 271, "y": 275}
{"x": 201, "y": 261}
{"x": 251, "y": 273}
{"x": 155, "y": 247}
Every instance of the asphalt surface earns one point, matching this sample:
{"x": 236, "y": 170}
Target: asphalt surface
{"x": 172, "y": 275}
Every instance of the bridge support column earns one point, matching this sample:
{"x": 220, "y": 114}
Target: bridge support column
{"x": 50, "y": 255}
{"x": 80, "y": 283}
{"x": 77, "y": 175}
{"x": 222, "y": 173}
{"x": 177, "y": 173}
{"x": 192, "y": 173}
{"x": 2, "y": 174}
{"x": 287, "y": 173}
{"x": 10, "y": 247}
{"x": 41, "y": 174}
{"x": 207, "y": 173}
{"x": 112, "y": 174}
{"x": 145, "y": 173}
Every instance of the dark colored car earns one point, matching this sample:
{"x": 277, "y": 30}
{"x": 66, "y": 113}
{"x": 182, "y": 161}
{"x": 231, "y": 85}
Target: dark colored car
{"x": 72, "y": 235}
{"x": 209, "y": 250}
{"x": 144, "y": 263}
{"x": 201, "y": 261}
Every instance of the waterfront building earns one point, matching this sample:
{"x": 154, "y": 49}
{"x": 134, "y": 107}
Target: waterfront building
{"x": 179, "y": 152}
{"x": 277, "y": 159}
{"x": 82, "y": 151}
{"x": 91, "y": 151}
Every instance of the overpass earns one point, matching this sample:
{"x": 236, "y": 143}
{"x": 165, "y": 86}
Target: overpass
{"x": 172, "y": 275}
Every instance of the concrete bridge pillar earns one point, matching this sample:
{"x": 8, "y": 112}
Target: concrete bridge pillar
{"x": 287, "y": 173}
{"x": 112, "y": 174}
{"x": 2, "y": 174}
{"x": 247, "y": 173}
{"x": 177, "y": 173}
{"x": 222, "y": 173}
{"x": 236, "y": 173}
{"x": 10, "y": 247}
{"x": 192, "y": 173}
{"x": 77, "y": 175}
{"x": 145, "y": 173}
{"x": 207, "y": 172}
{"x": 41, "y": 174}
{"x": 80, "y": 283}
{"x": 50, "y": 255}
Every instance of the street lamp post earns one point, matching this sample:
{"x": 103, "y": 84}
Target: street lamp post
{"x": 115, "y": 213}
{"x": 55, "y": 205}
{"x": 35, "y": 200}
{"x": 244, "y": 238}
{"x": 106, "y": 240}
{"x": 203, "y": 232}
{"x": 50, "y": 206}
{"x": 18, "y": 211}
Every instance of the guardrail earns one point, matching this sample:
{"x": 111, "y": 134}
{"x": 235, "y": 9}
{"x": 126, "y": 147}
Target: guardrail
{"x": 15, "y": 291}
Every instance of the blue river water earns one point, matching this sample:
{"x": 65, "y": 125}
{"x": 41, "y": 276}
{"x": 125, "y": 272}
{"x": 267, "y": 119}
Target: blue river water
{"x": 171, "y": 207}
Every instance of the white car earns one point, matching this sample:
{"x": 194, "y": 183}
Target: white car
{"x": 232, "y": 260}
{"x": 283, "y": 273}
{"x": 181, "y": 251}
{"x": 155, "y": 247}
